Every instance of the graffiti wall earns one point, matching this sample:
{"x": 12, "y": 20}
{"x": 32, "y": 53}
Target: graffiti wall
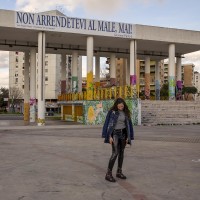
{"x": 94, "y": 112}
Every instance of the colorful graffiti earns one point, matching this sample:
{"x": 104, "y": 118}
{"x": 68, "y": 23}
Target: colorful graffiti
{"x": 90, "y": 86}
{"x": 41, "y": 122}
{"x": 157, "y": 82}
{"x": 95, "y": 111}
{"x": 147, "y": 86}
{"x": 32, "y": 103}
{"x": 172, "y": 87}
{"x": 74, "y": 84}
{"x": 133, "y": 79}
{"x": 179, "y": 90}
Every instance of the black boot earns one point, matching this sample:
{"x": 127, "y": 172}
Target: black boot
{"x": 109, "y": 176}
{"x": 119, "y": 174}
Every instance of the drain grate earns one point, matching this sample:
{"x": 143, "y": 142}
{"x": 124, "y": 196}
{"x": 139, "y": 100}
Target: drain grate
{"x": 170, "y": 139}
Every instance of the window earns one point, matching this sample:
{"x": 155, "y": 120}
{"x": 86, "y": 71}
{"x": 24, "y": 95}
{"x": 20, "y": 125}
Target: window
{"x": 16, "y": 80}
{"x": 46, "y": 78}
{"x": 46, "y": 70}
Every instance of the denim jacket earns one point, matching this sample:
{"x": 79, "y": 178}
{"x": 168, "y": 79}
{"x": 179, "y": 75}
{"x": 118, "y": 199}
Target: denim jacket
{"x": 110, "y": 122}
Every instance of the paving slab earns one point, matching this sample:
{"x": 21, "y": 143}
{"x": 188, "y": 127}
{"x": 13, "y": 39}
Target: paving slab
{"x": 59, "y": 162}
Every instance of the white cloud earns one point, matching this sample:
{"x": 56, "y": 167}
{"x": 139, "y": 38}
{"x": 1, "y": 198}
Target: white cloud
{"x": 95, "y": 7}
{"x": 4, "y": 78}
{"x": 4, "y": 59}
{"x": 35, "y": 5}
{"x": 4, "y": 70}
{"x": 193, "y": 58}
{"x": 99, "y": 8}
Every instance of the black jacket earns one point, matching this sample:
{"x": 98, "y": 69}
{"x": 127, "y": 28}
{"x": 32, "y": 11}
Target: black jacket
{"x": 110, "y": 122}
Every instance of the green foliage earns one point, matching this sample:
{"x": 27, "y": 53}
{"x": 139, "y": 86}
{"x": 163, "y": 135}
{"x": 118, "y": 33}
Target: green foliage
{"x": 189, "y": 90}
{"x": 4, "y": 93}
{"x": 164, "y": 91}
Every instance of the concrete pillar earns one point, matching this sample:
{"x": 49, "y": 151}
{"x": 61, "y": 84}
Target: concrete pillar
{"x": 41, "y": 79}
{"x": 128, "y": 71}
{"x": 171, "y": 72}
{"x": 75, "y": 71}
{"x": 63, "y": 74}
{"x": 97, "y": 71}
{"x": 179, "y": 79}
{"x": 32, "y": 85}
{"x": 147, "y": 77}
{"x": 80, "y": 74}
{"x": 157, "y": 80}
{"x": 112, "y": 69}
{"x": 133, "y": 58}
{"x": 69, "y": 74}
{"x": 26, "y": 87}
{"x": 90, "y": 82}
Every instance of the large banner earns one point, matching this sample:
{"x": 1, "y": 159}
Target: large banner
{"x": 61, "y": 23}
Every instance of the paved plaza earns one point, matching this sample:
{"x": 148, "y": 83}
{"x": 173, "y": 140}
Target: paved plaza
{"x": 64, "y": 161}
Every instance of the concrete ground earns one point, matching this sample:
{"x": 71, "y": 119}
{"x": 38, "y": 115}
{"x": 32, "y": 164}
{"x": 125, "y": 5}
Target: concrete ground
{"x": 69, "y": 162}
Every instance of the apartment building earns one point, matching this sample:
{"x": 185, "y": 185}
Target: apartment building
{"x": 52, "y": 73}
{"x": 187, "y": 74}
{"x": 52, "y": 77}
{"x": 197, "y": 81}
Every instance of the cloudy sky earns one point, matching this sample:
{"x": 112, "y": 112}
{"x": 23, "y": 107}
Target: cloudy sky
{"x": 165, "y": 13}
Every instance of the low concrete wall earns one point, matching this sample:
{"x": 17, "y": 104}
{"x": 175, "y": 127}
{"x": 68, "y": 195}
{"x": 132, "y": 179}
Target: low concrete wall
{"x": 94, "y": 112}
{"x": 170, "y": 112}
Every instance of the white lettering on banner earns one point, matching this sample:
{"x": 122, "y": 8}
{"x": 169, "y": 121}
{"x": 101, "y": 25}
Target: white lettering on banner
{"x": 72, "y": 25}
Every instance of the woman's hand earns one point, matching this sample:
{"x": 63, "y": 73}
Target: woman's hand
{"x": 110, "y": 140}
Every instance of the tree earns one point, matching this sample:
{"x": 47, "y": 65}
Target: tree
{"x": 16, "y": 97}
{"x": 189, "y": 92}
{"x": 164, "y": 91}
{"x": 4, "y": 93}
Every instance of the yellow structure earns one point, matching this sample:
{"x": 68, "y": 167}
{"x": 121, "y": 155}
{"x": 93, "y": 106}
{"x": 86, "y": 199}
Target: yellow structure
{"x": 101, "y": 94}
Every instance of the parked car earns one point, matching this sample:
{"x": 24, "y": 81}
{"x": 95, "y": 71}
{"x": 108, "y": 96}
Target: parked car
{"x": 50, "y": 113}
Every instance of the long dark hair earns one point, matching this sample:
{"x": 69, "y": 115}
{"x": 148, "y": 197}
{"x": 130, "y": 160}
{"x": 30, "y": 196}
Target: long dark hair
{"x": 126, "y": 110}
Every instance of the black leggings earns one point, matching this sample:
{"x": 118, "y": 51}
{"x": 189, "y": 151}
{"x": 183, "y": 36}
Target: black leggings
{"x": 118, "y": 146}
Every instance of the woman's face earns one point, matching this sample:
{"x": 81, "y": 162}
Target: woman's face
{"x": 120, "y": 106}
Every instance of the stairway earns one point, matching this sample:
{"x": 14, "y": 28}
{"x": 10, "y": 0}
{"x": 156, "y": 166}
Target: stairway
{"x": 170, "y": 112}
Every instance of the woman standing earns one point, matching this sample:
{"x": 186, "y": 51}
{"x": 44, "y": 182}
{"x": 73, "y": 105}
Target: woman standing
{"x": 118, "y": 131}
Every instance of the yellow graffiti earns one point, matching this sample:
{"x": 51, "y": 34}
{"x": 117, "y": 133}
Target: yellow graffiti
{"x": 91, "y": 114}
{"x": 97, "y": 84}
{"x": 113, "y": 92}
{"x": 90, "y": 86}
{"x": 41, "y": 121}
{"x": 26, "y": 111}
